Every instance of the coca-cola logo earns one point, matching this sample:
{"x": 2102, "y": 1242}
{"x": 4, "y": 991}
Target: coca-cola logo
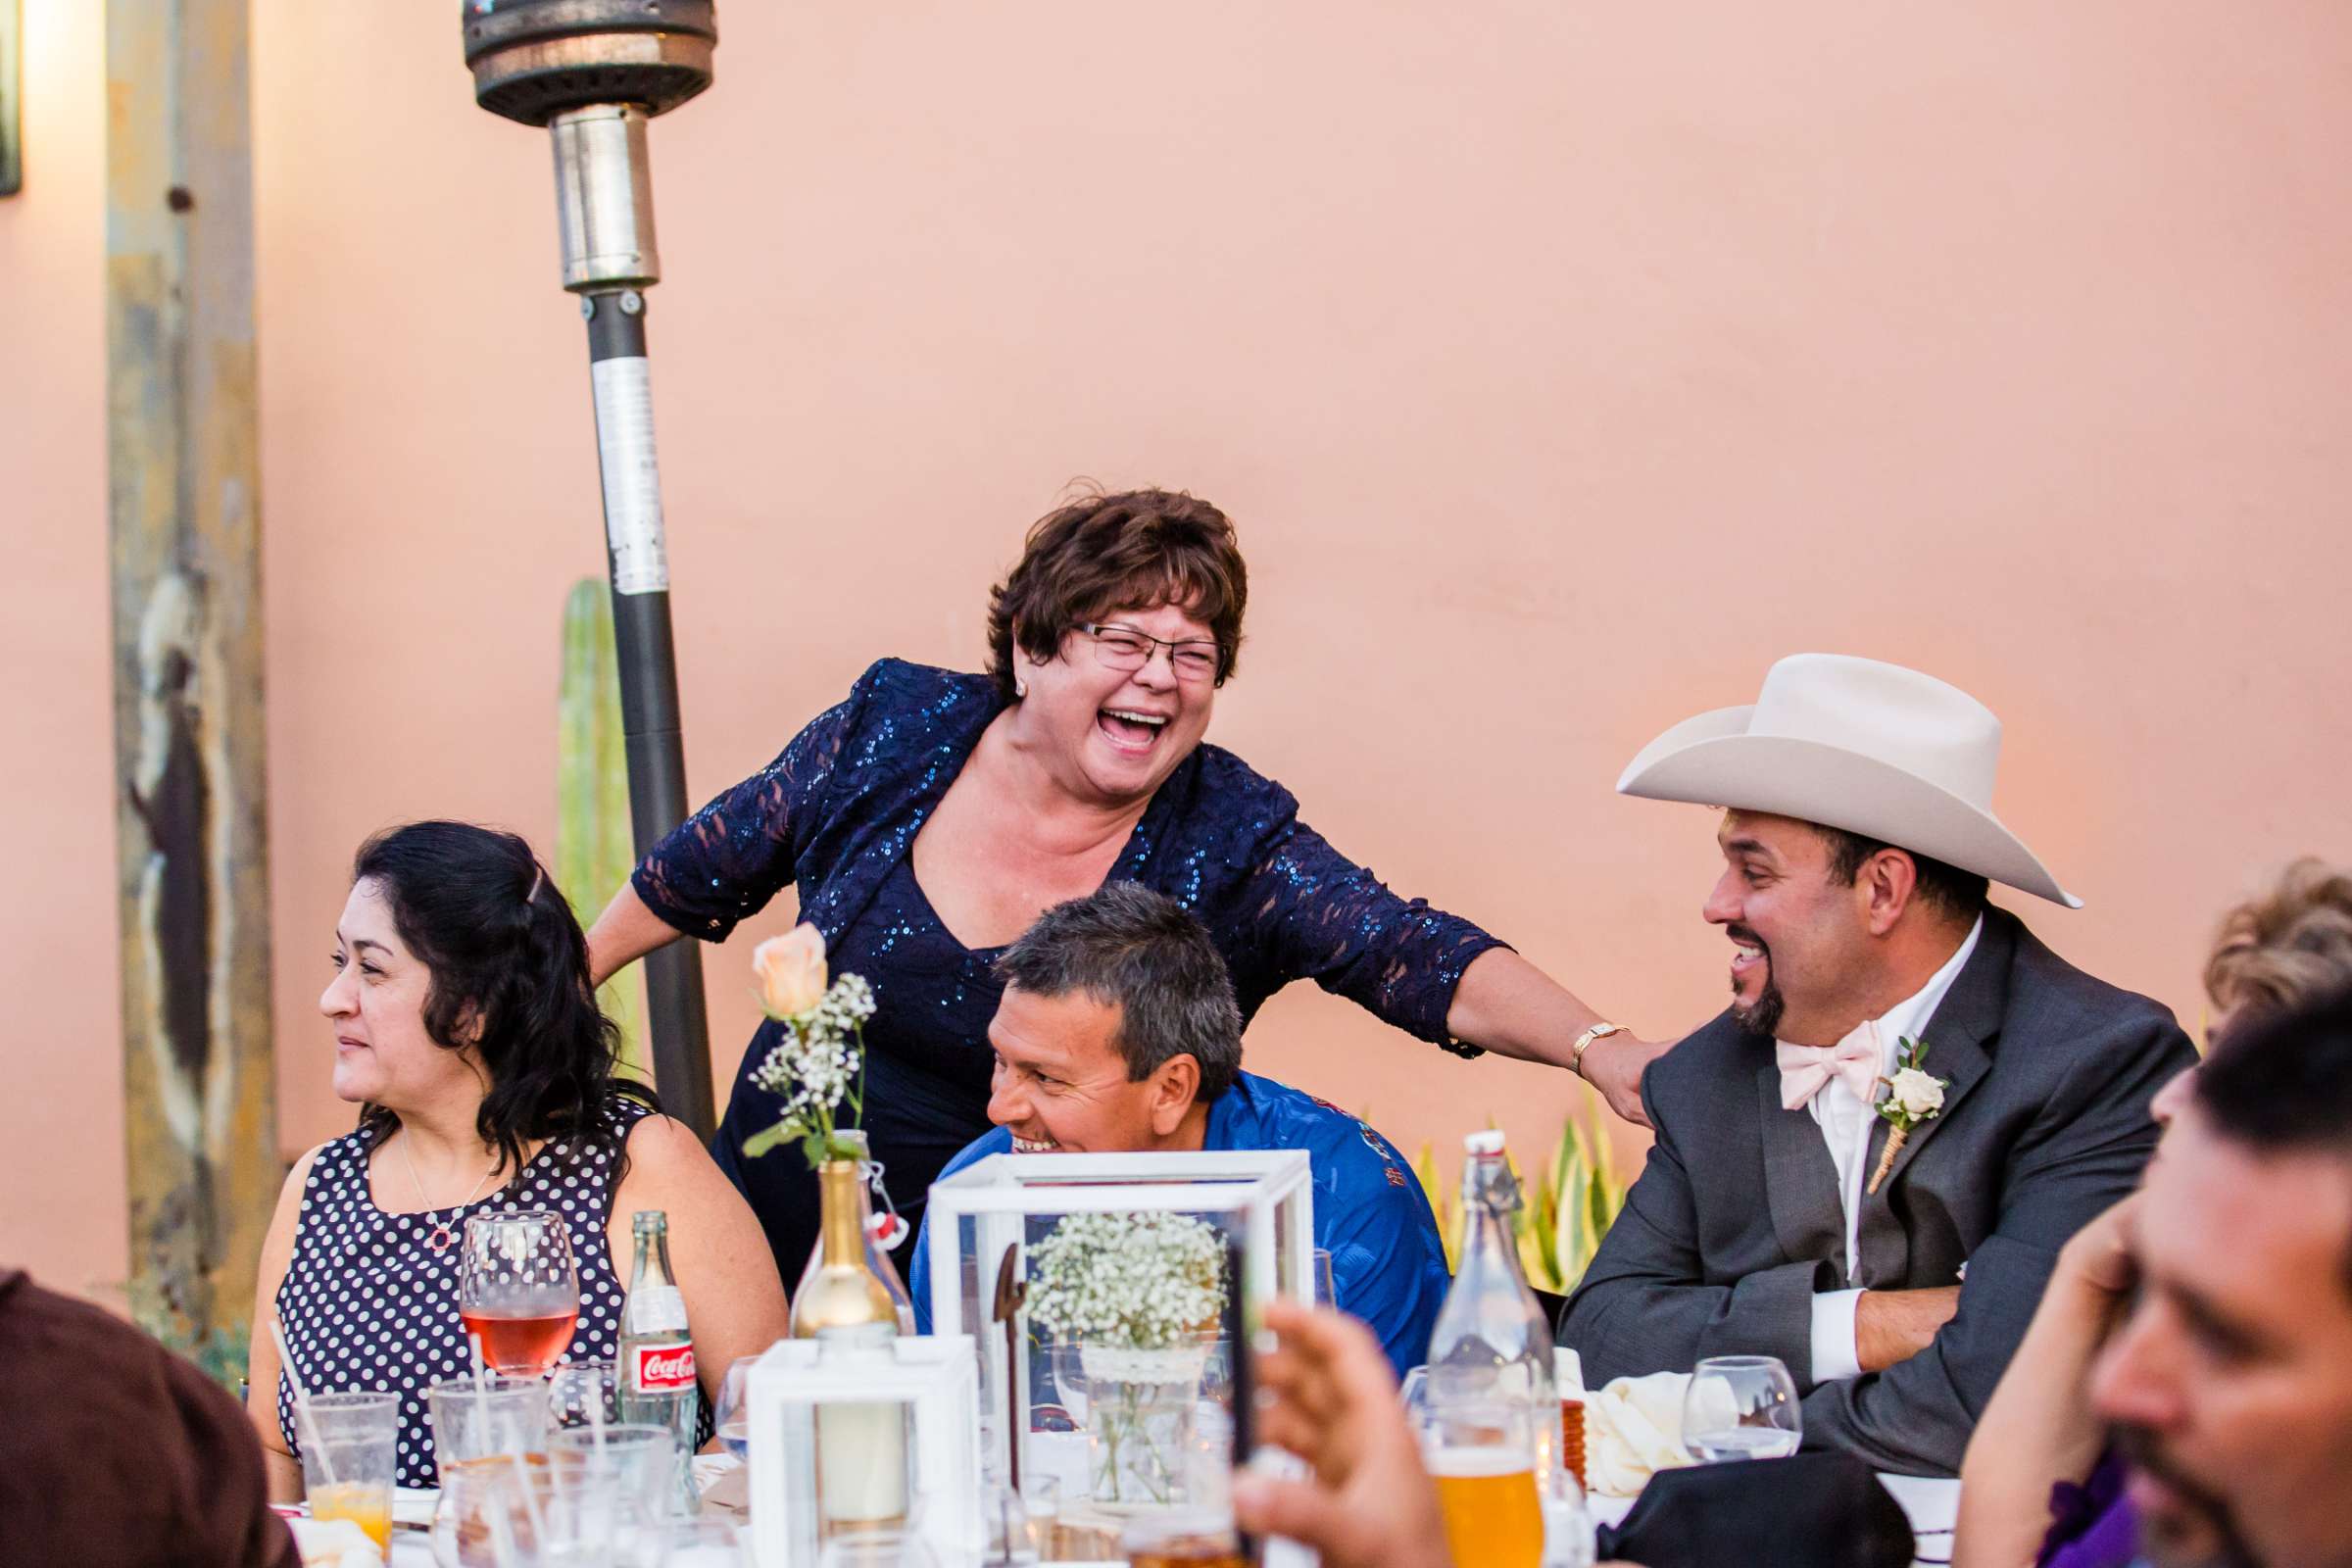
{"x": 664, "y": 1369}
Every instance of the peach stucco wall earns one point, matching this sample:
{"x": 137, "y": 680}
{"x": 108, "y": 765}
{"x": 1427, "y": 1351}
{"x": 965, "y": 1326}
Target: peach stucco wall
{"x": 62, "y": 1184}
{"x": 1561, "y": 365}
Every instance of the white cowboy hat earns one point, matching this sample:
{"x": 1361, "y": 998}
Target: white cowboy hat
{"x": 1855, "y": 744}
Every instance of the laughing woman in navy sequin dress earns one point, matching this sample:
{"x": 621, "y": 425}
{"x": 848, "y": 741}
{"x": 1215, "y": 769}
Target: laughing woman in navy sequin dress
{"x": 931, "y": 816}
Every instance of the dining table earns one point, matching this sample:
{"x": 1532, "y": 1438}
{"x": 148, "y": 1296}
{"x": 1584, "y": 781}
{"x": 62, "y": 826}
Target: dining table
{"x": 1930, "y": 1504}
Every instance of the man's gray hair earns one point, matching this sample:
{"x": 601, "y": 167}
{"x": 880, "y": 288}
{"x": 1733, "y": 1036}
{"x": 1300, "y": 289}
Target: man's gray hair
{"x": 1147, "y": 956}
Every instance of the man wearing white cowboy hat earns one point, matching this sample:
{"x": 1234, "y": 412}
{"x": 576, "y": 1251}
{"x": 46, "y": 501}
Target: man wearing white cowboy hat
{"x": 1886, "y": 1236}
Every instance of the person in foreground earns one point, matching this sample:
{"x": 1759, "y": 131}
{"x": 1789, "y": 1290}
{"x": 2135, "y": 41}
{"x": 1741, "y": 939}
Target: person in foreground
{"x": 932, "y": 816}
{"x": 1117, "y": 1031}
{"x": 1325, "y": 1395}
{"x": 2042, "y": 1484}
{"x": 114, "y": 1451}
{"x": 1770, "y": 1217}
{"x": 465, "y": 1028}
{"x": 2228, "y": 1384}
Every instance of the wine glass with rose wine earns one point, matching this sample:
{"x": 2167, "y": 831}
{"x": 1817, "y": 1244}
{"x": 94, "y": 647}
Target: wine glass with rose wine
{"x": 518, "y": 1289}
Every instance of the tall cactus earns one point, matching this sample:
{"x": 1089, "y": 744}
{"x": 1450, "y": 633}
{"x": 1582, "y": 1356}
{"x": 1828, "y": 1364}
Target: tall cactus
{"x": 594, "y": 851}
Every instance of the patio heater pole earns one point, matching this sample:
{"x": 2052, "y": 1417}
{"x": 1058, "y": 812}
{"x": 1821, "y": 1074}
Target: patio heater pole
{"x": 595, "y": 72}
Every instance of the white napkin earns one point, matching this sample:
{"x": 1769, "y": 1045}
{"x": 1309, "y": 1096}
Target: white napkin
{"x": 333, "y": 1544}
{"x": 1632, "y": 1429}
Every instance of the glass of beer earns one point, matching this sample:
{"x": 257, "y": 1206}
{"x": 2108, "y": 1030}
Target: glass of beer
{"x": 1483, "y": 1457}
{"x": 1181, "y": 1537}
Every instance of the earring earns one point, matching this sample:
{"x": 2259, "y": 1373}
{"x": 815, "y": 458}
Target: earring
{"x": 1020, "y": 689}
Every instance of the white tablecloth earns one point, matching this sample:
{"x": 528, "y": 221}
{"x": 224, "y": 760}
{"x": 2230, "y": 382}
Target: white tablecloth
{"x": 1932, "y": 1507}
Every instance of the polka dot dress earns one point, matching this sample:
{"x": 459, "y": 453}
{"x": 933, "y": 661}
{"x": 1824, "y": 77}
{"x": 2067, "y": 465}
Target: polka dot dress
{"x": 369, "y": 1304}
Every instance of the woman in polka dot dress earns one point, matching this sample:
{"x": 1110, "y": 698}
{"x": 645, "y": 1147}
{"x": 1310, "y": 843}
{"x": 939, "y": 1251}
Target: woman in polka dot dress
{"x": 464, "y": 1026}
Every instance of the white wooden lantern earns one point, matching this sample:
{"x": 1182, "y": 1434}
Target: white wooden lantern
{"x": 1262, "y": 1199}
{"x": 935, "y": 1378}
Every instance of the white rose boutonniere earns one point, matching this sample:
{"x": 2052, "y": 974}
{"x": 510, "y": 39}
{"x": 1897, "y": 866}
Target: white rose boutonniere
{"x": 1915, "y": 1092}
{"x": 1913, "y": 1096}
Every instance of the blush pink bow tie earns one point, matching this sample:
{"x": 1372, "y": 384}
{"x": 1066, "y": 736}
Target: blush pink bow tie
{"x": 1853, "y": 1061}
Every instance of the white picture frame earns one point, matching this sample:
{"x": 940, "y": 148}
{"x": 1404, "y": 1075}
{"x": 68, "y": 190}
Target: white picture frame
{"x": 1264, "y": 1196}
{"x": 935, "y": 1375}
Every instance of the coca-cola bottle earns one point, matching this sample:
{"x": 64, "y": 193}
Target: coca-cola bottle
{"x": 656, "y": 1351}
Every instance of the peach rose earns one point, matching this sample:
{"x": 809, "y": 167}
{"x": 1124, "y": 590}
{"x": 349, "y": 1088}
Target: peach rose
{"x": 791, "y": 972}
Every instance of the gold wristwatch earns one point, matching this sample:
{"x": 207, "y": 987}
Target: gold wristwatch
{"x": 1583, "y": 1042}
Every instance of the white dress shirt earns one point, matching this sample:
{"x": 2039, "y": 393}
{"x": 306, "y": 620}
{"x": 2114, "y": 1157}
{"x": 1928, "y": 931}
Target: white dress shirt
{"x": 1846, "y": 1126}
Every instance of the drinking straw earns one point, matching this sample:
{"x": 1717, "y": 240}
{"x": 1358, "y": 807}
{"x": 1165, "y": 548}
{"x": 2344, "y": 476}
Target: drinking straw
{"x": 302, "y": 1402}
{"x": 481, "y": 1395}
{"x": 502, "y": 1538}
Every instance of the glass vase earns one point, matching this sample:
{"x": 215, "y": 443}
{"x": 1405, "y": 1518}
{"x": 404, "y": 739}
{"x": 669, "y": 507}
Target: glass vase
{"x": 1138, "y": 1420}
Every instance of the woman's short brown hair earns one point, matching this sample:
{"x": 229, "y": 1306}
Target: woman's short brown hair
{"x": 1102, "y": 553}
{"x": 2288, "y": 946}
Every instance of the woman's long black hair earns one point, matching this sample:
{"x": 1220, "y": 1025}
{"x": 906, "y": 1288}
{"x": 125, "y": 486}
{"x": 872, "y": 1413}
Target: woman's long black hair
{"x": 510, "y": 978}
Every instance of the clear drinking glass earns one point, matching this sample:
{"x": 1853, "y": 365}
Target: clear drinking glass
{"x": 1014, "y": 1536}
{"x": 1567, "y": 1527}
{"x": 1740, "y": 1408}
{"x": 349, "y": 1442}
{"x": 735, "y": 1407}
{"x": 1199, "y": 1532}
{"x": 518, "y": 1289}
{"x": 876, "y": 1548}
{"x": 1181, "y": 1537}
{"x": 640, "y": 1459}
{"x": 501, "y": 1415}
{"x": 1413, "y": 1395}
{"x": 479, "y": 1520}
{"x": 583, "y": 1393}
{"x": 587, "y": 1520}
{"x": 699, "y": 1543}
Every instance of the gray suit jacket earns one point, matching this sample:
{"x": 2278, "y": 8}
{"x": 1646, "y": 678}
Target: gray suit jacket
{"x": 1734, "y": 1223}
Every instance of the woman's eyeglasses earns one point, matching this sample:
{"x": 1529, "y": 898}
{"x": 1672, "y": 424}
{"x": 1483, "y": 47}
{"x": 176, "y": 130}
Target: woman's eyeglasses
{"x": 1125, "y": 648}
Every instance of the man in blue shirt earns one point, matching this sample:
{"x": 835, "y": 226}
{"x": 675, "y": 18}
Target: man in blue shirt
{"x": 1118, "y": 1031}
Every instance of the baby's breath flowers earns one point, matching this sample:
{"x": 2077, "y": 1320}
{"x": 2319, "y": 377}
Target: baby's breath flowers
{"x": 1132, "y": 1298}
{"x": 821, "y": 1060}
{"x": 1138, "y": 1282}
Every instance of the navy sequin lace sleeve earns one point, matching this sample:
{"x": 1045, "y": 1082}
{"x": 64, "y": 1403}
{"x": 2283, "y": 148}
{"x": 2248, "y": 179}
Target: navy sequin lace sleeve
{"x": 725, "y": 861}
{"x": 1327, "y": 919}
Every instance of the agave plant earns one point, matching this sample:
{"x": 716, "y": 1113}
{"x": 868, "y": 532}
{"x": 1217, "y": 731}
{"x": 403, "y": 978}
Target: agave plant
{"x": 1585, "y": 1197}
{"x": 1443, "y": 1202}
{"x": 1567, "y": 1210}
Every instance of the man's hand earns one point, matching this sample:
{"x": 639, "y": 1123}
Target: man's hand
{"x": 1328, "y": 1397}
{"x": 1613, "y": 1065}
{"x": 2100, "y": 1256}
{"x": 1891, "y": 1326}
